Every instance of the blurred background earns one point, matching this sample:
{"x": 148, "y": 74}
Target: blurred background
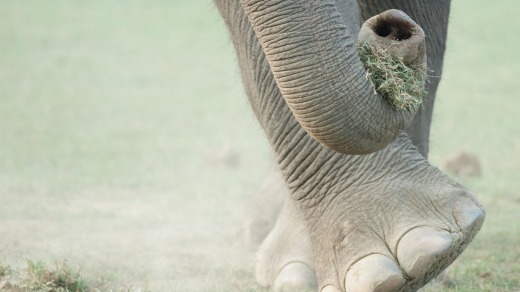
{"x": 128, "y": 148}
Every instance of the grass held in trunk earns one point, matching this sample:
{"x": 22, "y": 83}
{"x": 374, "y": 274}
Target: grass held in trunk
{"x": 400, "y": 84}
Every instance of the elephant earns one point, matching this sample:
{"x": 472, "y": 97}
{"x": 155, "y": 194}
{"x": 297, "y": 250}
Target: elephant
{"x": 362, "y": 209}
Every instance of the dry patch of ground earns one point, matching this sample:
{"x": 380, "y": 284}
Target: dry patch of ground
{"x": 128, "y": 240}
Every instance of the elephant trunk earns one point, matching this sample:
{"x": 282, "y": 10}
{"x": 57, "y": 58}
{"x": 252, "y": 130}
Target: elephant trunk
{"x": 314, "y": 60}
{"x": 398, "y": 34}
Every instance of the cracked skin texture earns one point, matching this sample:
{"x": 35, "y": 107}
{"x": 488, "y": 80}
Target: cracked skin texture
{"x": 383, "y": 221}
{"x": 415, "y": 228}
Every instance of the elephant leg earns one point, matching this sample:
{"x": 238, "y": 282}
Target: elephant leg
{"x": 285, "y": 259}
{"x": 276, "y": 230}
{"x": 263, "y": 208}
{"x": 385, "y": 221}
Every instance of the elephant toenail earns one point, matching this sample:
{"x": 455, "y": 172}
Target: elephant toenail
{"x": 374, "y": 273}
{"x": 296, "y": 276}
{"x": 421, "y": 248}
{"x": 330, "y": 288}
{"x": 469, "y": 216}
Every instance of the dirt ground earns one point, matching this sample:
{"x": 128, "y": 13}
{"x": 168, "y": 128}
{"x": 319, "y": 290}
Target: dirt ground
{"x": 130, "y": 240}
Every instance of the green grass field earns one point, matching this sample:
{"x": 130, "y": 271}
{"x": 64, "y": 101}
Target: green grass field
{"x": 111, "y": 115}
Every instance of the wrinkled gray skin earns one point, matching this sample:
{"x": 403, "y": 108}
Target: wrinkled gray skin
{"x": 385, "y": 220}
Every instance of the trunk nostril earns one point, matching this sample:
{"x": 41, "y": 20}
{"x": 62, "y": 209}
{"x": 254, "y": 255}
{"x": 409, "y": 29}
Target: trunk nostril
{"x": 391, "y": 47}
{"x": 397, "y": 33}
{"x": 395, "y": 30}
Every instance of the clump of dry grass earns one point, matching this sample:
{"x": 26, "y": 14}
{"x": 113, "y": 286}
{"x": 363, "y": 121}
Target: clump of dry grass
{"x": 400, "y": 84}
{"x": 37, "y": 277}
{"x": 62, "y": 278}
{"x": 4, "y": 270}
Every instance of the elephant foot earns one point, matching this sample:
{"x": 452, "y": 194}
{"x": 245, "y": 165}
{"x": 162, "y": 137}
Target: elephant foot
{"x": 284, "y": 260}
{"x": 263, "y": 209}
{"x": 392, "y": 223}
